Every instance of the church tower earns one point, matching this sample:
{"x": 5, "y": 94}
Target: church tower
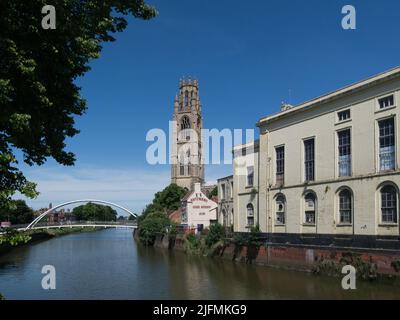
{"x": 187, "y": 150}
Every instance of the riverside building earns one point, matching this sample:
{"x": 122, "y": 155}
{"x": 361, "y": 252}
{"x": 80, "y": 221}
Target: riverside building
{"x": 331, "y": 165}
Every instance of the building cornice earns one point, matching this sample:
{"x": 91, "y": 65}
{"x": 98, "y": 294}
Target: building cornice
{"x": 347, "y": 90}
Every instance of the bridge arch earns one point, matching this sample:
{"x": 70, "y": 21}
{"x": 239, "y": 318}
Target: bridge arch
{"x": 40, "y": 217}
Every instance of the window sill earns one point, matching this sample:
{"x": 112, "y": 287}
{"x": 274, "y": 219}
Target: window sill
{"x": 342, "y": 225}
{"x": 385, "y": 109}
{"x": 280, "y": 225}
{"x": 344, "y": 177}
{"x": 387, "y": 171}
{"x": 309, "y": 225}
{"x": 388, "y": 225}
{"x": 342, "y": 122}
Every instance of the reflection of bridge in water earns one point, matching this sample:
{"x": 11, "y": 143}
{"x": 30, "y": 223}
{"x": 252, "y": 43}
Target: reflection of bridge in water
{"x": 78, "y": 224}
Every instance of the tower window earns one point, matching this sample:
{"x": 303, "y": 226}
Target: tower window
{"x": 186, "y": 98}
{"x": 185, "y": 124}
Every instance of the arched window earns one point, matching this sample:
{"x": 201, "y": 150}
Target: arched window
{"x": 186, "y": 98}
{"x": 389, "y": 204}
{"x": 185, "y": 123}
{"x": 184, "y": 164}
{"x": 345, "y": 206}
{"x": 250, "y": 215}
{"x": 280, "y": 209}
{"x": 309, "y": 208}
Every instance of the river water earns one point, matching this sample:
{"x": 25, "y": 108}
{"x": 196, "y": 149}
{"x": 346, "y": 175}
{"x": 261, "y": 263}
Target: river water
{"x": 109, "y": 264}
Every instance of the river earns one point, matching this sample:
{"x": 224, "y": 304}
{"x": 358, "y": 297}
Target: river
{"x": 108, "y": 264}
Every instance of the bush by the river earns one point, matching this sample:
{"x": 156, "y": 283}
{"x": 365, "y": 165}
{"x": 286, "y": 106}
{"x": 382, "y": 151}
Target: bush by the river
{"x": 14, "y": 237}
{"x": 215, "y": 234}
{"x": 151, "y": 225}
{"x": 251, "y": 239}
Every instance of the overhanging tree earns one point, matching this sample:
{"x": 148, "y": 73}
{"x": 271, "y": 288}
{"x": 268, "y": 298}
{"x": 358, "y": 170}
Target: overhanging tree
{"x": 39, "y": 99}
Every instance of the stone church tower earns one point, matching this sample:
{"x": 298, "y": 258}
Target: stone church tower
{"x": 187, "y": 150}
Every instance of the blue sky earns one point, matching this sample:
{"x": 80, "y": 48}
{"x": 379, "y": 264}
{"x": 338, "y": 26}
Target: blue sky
{"x": 247, "y": 56}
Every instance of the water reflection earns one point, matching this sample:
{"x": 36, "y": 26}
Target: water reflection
{"x": 110, "y": 265}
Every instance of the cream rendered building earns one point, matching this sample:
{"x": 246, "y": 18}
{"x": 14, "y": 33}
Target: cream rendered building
{"x": 331, "y": 165}
{"x": 245, "y": 187}
{"x": 225, "y": 202}
{"x": 198, "y": 212}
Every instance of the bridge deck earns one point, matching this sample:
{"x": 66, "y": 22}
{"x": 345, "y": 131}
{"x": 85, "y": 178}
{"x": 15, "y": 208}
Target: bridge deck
{"x": 83, "y": 226}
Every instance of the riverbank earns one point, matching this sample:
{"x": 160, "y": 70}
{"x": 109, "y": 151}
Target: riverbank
{"x": 42, "y": 235}
{"x": 323, "y": 260}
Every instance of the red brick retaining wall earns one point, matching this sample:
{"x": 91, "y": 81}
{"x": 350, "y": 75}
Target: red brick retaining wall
{"x": 307, "y": 258}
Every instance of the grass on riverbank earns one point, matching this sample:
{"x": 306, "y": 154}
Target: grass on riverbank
{"x": 15, "y": 239}
{"x": 56, "y": 232}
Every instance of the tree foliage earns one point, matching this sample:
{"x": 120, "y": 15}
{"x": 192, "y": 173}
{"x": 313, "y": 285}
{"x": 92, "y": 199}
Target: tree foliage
{"x": 250, "y": 239}
{"x": 94, "y": 212}
{"x": 165, "y": 201}
{"x": 14, "y": 237}
{"x": 215, "y": 234}
{"x": 39, "y": 100}
{"x": 213, "y": 193}
{"x": 151, "y": 225}
{"x": 18, "y": 212}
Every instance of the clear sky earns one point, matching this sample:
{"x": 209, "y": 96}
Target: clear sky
{"x": 248, "y": 56}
